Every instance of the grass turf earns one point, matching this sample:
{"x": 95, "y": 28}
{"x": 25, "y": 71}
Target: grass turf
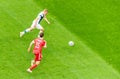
{"x": 95, "y": 22}
{"x": 60, "y": 61}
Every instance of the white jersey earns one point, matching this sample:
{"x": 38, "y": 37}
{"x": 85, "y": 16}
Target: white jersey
{"x": 40, "y": 16}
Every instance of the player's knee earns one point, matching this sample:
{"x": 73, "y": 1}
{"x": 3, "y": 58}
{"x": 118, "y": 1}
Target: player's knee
{"x": 38, "y": 62}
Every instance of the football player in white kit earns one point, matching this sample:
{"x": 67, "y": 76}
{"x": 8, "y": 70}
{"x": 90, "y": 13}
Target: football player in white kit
{"x": 36, "y": 23}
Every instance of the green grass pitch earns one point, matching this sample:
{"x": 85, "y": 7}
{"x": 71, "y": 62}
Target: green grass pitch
{"x": 92, "y": 24}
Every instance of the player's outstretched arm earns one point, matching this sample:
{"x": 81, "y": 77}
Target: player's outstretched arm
{"x": 46, "y": 20}
{"x": 30, "y": 46}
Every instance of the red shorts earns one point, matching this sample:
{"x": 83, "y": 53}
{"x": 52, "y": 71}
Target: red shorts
{"x": 38, "y": 57}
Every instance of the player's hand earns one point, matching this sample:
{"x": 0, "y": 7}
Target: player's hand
{"x": 28, "y": 49}
{"x": 45, "y": 46}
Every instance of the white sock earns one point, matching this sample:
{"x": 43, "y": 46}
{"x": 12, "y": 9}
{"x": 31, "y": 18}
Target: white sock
{"x": 27, "y": 30}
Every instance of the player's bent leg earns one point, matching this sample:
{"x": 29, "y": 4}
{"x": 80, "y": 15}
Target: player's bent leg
{"x": 37, "y": 62}
{"x": 26, "y": 31}
{"x": 33, "y": 66}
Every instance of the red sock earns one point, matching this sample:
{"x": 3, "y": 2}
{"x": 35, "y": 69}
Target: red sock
{"x": 33, "y": 66}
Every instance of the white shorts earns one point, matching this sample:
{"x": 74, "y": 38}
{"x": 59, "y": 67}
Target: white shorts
{"x": 38, "y": 26}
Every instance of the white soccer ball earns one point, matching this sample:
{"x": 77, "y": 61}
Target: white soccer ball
{"x": 71, "y": 43}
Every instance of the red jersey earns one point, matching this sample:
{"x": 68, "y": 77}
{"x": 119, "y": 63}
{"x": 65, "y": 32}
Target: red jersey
{"x": 38, "y": 45}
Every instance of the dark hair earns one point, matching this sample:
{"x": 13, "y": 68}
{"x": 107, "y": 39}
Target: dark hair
{"x": 41, "y": 35}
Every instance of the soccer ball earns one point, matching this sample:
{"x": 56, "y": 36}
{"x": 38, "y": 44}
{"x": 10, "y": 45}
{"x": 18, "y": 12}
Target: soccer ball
{"x": 71, "y": 43}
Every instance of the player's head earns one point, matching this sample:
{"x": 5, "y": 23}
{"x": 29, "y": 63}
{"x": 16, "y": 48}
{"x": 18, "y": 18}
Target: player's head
{"x": 41, "y": 35}
{"x": 45, "y": 11}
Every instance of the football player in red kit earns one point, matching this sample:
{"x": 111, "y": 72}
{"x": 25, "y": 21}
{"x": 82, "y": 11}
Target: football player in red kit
{"x": 39, "y": 43}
